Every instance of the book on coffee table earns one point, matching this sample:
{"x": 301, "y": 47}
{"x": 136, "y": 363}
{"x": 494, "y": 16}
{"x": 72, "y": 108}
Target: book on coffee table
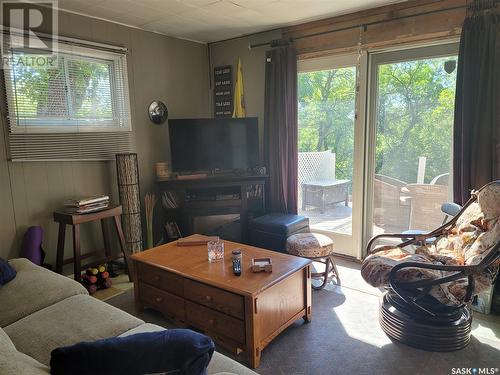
{"x": 196, "y": 239}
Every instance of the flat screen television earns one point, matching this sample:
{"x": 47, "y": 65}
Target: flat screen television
{"x": 226, "y": 144}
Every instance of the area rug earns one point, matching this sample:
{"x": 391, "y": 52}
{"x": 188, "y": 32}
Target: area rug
{"x": 120, "y": 284}
{"x": 344, "y": 337}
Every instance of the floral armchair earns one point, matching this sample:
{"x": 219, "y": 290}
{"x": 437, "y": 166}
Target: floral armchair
{"x": 430, "y": 284}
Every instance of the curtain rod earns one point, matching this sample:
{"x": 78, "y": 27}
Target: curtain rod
{"x": 363, "y": 25}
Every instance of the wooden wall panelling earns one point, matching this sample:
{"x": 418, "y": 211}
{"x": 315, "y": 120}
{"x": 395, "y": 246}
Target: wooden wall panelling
{"x": 384, "y": 13}
{"x": 254, "y": 70}
{"x": 19, "y": 202}
{"x": 427, "y": 27}
{"x": 61, "y": 183}
{"x": 7, "y": 220}
{"x": 157, "y": 66}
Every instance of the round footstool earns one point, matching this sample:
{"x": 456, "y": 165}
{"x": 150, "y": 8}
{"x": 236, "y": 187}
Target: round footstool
{"x": 317, "y": 247}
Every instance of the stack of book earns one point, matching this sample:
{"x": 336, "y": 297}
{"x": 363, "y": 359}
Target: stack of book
{"x": 172, "y": 230}
{"x": 170, "y": 200}
{"x": 255, "y": 191}
{"x": 87, "y": 205}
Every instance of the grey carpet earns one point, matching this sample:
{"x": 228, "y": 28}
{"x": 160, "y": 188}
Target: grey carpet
{"x": 344, "y": 337}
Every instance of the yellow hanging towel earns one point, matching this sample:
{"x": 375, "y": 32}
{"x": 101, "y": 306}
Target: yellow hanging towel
{"x": 239, "y": 95}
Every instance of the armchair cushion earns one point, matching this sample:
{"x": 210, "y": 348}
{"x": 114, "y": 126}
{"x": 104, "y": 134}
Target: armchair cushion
{"x": 468, "y": 242}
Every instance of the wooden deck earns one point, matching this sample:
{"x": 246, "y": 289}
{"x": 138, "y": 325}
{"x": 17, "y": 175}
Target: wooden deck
{"x": 338, "y": 218}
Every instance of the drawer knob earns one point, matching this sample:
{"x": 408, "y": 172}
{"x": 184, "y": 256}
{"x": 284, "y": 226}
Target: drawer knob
{"x": 157, "y": 278}
{"x": 208, "y": 298}
{"x": 158, "y": 299}
{"x": 211, "y": 322}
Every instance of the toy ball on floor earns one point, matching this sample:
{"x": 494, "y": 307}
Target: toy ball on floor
{"x": 96, "y": 278}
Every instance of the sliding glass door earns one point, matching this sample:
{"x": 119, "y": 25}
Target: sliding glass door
{"x": 327, "y": 166}
{"x": 375, "y": 142}
{"x": 411, "y": 104}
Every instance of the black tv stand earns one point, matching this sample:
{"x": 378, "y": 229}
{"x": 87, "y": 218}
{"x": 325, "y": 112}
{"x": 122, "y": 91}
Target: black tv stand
{"x": 211, "y": 196}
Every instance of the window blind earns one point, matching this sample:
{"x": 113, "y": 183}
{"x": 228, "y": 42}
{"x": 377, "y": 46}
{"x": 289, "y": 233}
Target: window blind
{"x": 74, "y": 106}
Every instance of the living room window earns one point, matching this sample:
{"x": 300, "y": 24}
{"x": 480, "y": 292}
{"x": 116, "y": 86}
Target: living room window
{"x": 81, "y": 89}
{"x": 72, "y": 105}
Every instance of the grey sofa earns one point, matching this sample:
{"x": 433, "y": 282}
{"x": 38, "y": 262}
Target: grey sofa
{"x": 41, "y": 310}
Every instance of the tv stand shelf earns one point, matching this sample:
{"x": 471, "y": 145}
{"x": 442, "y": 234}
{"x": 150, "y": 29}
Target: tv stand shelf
{"x": 214, "y": 195}
{"x": 217, "y": 178}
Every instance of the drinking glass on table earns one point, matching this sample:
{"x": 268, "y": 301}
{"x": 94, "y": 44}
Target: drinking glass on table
{"x": 215, "y": 250}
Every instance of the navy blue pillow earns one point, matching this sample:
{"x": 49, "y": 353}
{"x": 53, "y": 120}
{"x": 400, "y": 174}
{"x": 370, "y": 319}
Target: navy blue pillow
{"x": 7, "y": 273}
{"x": 176, "y": 351}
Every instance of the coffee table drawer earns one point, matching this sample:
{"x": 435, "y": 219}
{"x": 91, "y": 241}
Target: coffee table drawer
{"x": 226, "y": 302}
{"x": 214, "y": 321}
{"x": 167, "y": 303}
{"x": 159, "y": 278}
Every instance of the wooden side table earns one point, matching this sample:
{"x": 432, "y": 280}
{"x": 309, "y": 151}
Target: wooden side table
{"x": 75, "y": 220}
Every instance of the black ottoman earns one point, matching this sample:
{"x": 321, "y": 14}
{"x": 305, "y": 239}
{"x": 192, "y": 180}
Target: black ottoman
{"x": 271, "y": 231}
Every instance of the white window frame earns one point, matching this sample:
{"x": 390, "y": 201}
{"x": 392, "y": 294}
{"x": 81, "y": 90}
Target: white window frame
{"x": 121, "y": 118}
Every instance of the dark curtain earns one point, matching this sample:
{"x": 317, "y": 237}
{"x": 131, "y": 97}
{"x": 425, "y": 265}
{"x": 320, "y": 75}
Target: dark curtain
{"x": 476, "y": 147}
{"x": 281, "y": 128}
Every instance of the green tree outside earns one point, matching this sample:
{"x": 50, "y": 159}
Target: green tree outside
{"x": 82, "y": 89}
{"x": 414, "y": 117}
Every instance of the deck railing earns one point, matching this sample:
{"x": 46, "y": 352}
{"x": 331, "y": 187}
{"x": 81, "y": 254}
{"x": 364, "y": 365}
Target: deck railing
{"x": 315, "y": 166}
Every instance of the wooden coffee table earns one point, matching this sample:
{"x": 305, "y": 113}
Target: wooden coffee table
{"x": 241, "y": 313}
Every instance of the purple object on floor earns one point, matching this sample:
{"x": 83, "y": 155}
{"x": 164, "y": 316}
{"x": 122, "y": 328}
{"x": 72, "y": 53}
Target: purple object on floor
{"x": 32, "y": 245}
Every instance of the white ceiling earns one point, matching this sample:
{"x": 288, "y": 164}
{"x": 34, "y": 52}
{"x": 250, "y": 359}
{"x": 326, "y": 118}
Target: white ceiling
{"x": 213, "y": 20}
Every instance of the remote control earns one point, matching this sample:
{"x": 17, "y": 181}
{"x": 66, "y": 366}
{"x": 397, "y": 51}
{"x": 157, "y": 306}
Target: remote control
{"x": 237, "y": 267}
{"x": 237, "y": 262}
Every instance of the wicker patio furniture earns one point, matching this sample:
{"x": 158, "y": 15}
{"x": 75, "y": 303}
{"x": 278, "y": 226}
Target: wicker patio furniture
{"x": 430, "y": 288}
{"x": 425, "y": 205}
{"x": 390, "y": 205}
{"x": 442, "y": 179}
{"x": 324, "y": 193}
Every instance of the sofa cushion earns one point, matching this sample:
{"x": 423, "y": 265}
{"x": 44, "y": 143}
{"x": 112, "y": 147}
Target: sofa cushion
{"x": 13, "y": 362}
{"x": 5, "y": 341}
{"x": 220, "y": 364}
{"x": 33, "y": 289}
{"x": 75, "y": 319}
{"x": 146, "y": 327}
